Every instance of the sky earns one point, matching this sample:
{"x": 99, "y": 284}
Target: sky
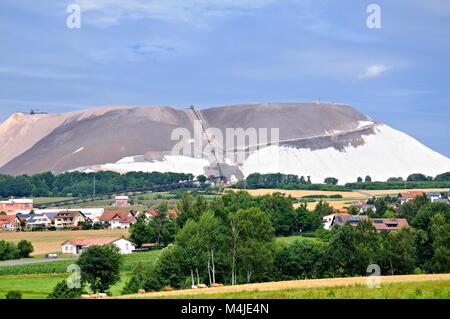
{"x": 220, "y": 52}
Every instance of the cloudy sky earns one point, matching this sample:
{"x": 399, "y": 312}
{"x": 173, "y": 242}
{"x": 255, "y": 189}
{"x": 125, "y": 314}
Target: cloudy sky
{"x": 218, "y": 52}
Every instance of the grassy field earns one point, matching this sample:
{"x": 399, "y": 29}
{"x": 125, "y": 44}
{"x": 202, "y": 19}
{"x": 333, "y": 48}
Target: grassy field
{"x": 50, "y": 241}
{"x": 56, "y": 267}
{"x": 291, "y": 239}
{"x": 407, "y": 286}
{"x": 36, "y": 281}
{"x": 38, "y": 286}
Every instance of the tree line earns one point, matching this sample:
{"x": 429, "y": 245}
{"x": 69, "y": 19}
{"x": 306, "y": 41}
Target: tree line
{"x": 77, "y": 184}
{"x": 232, "y": 241}
{"x": 287, "y": 181}
{"x": 9, "y": 251}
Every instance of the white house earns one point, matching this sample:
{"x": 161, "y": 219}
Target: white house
{"x": 115, "y": 219}
{"x": 434, "y": 196}
{"x": 77, "y": 245}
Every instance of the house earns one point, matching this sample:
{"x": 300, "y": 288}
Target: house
{"x": 380, "y": 224}
{"x": 407, "y": 196}
{"x": 77, "y": 245}
{"x": 117, "y": 219}
{"x": 121, "y": 201}
{"x": 92, "y": 213}
{"x": 69, "y": 219}
{"x": 365, "y": 207}
{"x": 171, "y": 213}
{"x": 39, "y": 220}
{"x": 389, "y": 224}
{"x": 433, "y": 196}
{"x": 13, "y": 206}
{"x": 342, "y": 218}
{"x": 11, "y": 222}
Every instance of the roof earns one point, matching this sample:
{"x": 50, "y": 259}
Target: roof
{"x": 170, "y": 212}
{"x": 386, "y": 224}
{"x": 68, "y": 214}
{"x": 434, "y": 194}
{"x": 124, "y": 216}
{"x": 121, "y": 197}
{"x": 7, "y": 219}
{"x": 18, "y": 201}
{"x": 91, "y": 241}
{"x": 412, "y": 194}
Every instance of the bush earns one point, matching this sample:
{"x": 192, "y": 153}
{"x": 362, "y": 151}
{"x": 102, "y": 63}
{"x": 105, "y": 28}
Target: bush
{"x": 13, "y": 295}
{"x": 25, "y": 248}
{"x": 62, "y": 291}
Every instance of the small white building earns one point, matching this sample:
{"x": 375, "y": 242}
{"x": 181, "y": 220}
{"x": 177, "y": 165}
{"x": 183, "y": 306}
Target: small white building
{"x": 77, "y": 245}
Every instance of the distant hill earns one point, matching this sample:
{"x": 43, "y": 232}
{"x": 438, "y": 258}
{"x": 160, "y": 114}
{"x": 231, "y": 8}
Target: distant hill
{"x": 315, "y": 139}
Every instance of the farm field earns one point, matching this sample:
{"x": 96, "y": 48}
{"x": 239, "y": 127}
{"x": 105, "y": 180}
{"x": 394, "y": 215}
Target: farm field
{"x": 334, "y": 203}
{"x": 38, "y": 280}
{"x": 300, "y": 193}
{"x": 406, "y": 286}
{"x": 38, "y": 286}
{"x": 129, "y": 263}
{"x": 50, "y": 241}
{"x": 410, "y": 290}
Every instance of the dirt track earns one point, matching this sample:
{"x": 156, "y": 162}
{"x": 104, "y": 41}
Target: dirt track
{"x": 295, "y": 284}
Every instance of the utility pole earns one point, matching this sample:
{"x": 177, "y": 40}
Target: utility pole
{"x": 93, "y": 187}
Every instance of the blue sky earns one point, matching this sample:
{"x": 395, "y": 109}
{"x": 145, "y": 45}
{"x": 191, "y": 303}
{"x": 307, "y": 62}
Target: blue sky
{"x": 219, "y": 52}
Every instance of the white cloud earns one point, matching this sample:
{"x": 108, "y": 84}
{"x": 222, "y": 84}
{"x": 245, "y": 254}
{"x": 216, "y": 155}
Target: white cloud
{"x": 111, "y": 12}
{"x": 373, "y": 71}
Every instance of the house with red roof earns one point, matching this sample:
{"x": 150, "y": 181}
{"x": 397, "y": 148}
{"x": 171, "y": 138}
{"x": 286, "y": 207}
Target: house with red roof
{"x": 115, "y": 219}
{"x": 77, "y": 245}
{"x": 11, "y": 222}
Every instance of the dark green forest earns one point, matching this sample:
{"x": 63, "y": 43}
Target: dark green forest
{"x": 76, "y": 184}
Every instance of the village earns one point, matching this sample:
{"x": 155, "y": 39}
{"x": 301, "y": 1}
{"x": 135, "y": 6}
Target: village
{"x": 19, "y": 215}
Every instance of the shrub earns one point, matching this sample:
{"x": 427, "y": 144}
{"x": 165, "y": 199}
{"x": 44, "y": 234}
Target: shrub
{"x": 62, "y": 291}
{"x": 13, "y": 295}
{"x": 25, "y": 248}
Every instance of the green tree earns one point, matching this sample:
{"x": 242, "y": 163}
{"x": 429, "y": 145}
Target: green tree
{"x": 301, "y": 260}
{"x": 368, "y": 179}
{"x": 140, "y": 232}
{"x": 359, "y": 180}
{"x": 352, "y": 249}
{"x": 202, "y": 179}
{"x": 252, "y": 243}
{"x": 331, "y": 181}
{"x": 440, "y": 232}
{"x": 100, "y": 266}
{"x": 398, "y": 252}
{"x": 418, "y": 178}
{"x": 25, "y": 248}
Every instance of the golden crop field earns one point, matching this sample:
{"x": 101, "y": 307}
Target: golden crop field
{"x": 335, "y": 204}
{"x": 294, "y": 284}
{"x": 50, "y": 241}
{"x": 301, "y": 193}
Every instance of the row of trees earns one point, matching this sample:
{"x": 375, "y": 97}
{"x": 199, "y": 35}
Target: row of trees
{"x": 9, "y": 251}
{"x": 283, "y": 181}
{"x": 82, "y": 184}
{"x": 241, "y": 248}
